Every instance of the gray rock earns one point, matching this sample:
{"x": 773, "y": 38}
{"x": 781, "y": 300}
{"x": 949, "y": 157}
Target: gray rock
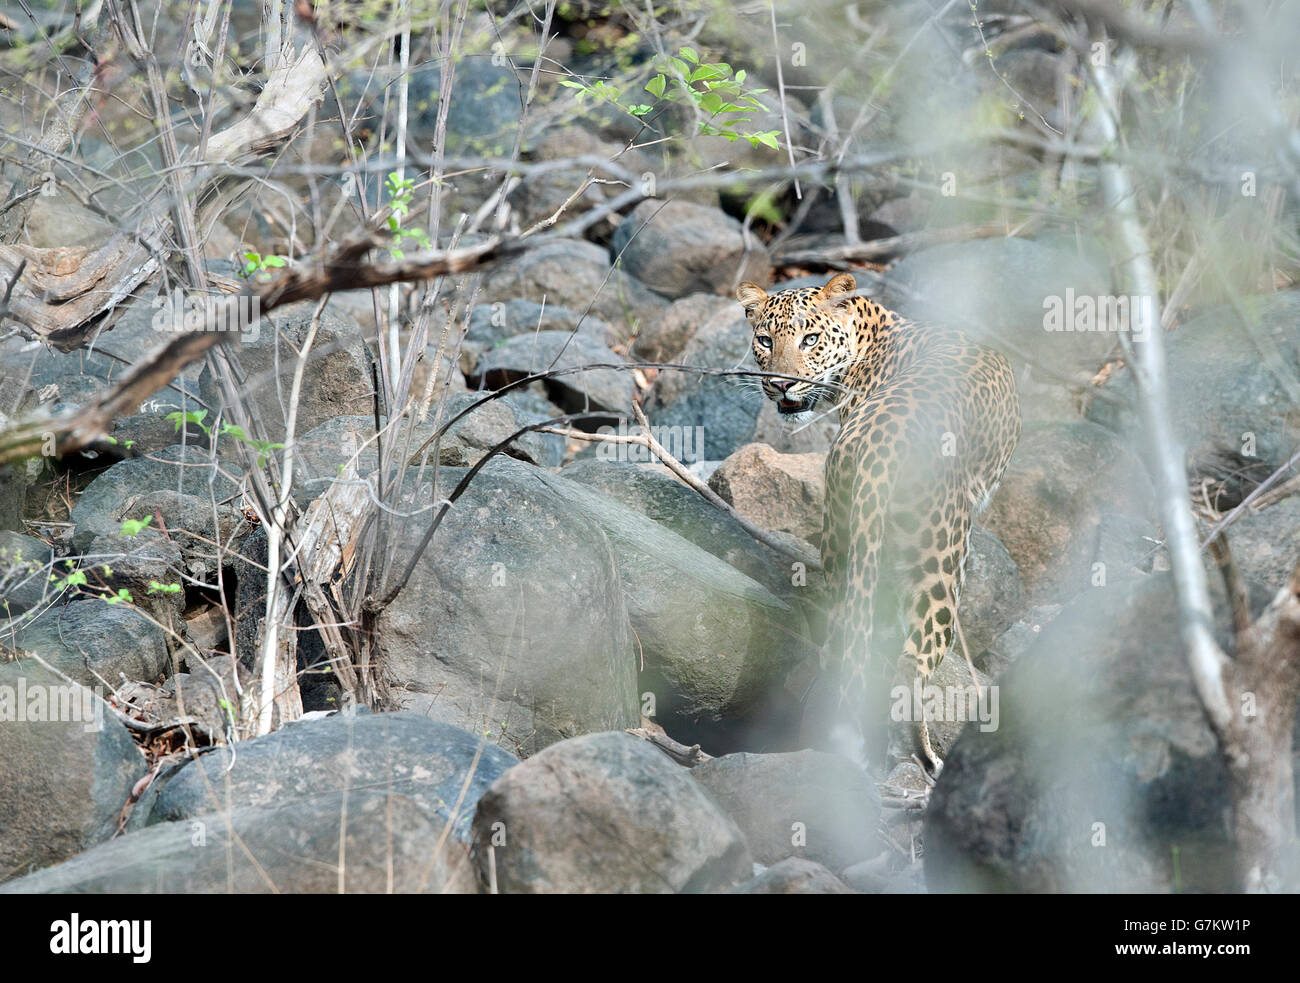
{"x": 1127, "y": 546}
{"x": 577, "y": 275}
{"x": 593, "y": 390}
{"x": 492, "y": 324}
{"x": 780, "y": 492}
{"x": 1102, "y": 762}
{"x": 391, "y": 844}
{"x": 605, "y": 814}
{"x": 678, "y": 248}
{"x": 547, "y": 450}
{"x": 1061, "y": 480}
{"x": 14, "y": 482}
{"x": 484, "y": 109}
{"x": 992, "y": 596}
{"x": 1015, "y": 641}
{"x": 24, "y": 572}
{"x": 97, "y": 643}
{"x": 145, "y": 565}
{"x": 425, "y": 762}
{"x": 661, "y": 497}
{"x": 715, "y": 645}
{"x": 725, "y": 408}
{"x": 539, "y": 196}
{"x": 66, "y": 776}
{"x": 336, "y": 380}
{"x": 1230, "y": 404}
{"x": 181, "y": 482}
{"x": 807, "y": 805}
{"x": 995, "y": 290}
{"x": 1265, "y": 547}
{"x": 514, "y": 622}
{"x": 324, "y": 449}
{"x": 793, "y": 876}
{"x": 665, "y": 338}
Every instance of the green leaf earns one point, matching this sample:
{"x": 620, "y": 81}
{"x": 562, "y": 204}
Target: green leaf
{"x": 196, "y": 417}
{"x": 132, "y": 527}
{"x": 703, "y": 73}
{"x": 690, "y": 55}
{"x": 656, "y": 86}
{"x": 681, "y": 66}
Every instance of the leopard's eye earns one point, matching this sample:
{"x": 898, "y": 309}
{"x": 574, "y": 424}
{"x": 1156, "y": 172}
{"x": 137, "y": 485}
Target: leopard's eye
{"x": 808, "y": 341}
{"x": 765, "y": 341}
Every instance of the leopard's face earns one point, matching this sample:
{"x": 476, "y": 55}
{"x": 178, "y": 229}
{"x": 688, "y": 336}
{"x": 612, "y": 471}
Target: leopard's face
{"x": 806, "y": 333}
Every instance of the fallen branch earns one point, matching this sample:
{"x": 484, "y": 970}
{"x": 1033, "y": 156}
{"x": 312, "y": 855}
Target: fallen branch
{"x": 688, "y": 757}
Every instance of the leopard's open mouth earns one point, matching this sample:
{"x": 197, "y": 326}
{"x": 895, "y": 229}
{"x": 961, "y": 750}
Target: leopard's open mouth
{"x": 785, "y": 406}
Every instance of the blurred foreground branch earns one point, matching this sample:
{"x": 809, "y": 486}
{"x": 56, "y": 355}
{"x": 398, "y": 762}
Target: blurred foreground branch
{"x": 1250, "y": 701}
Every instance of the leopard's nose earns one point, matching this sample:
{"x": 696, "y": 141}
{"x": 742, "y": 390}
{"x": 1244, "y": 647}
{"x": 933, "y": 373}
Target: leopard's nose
{"x": 781, "y": 385}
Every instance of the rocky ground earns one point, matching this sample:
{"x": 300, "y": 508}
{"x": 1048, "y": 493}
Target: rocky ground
{"x": 581, "y": 609}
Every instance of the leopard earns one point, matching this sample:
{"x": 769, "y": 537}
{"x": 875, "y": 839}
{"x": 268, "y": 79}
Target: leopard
{"x": 929, "y": 419}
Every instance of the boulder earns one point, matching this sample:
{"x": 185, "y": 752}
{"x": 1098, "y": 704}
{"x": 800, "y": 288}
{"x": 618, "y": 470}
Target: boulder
{"x": 439, "y": 768}
{"x": 1062, "y": 479}
{"x": 1232, "y": 392}
{"x": 575, "y": 392}
{"x": 350, "y": 439}
{"x": 97, "y": 643}
{"x": 576, "y": 275}
{"x": 658, "y": 495}
{"x": 713, "y": 644}
{"x": 25, "y": 565}
{"x": 604, "y": 814}
{"x": 390, "y": 844}
{"x": 1103, "y": 773}
{"x": 723, "y": 409}
{"x": 678, "y": 248}
{"x": 665, "y": 338}
{"x": 781, "y": 492}
{"x": 1000, "y": 291}
{"x": 67, "y": 766}
{"x": 805, "y": 805}
{"x": 180, "y": 482}
{"x": 513, "y": 623}
{"x": 336, "y": 379}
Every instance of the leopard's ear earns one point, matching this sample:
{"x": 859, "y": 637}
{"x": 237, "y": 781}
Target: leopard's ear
{"x": 838, "y": 286}
{"x": 751, "y": 295}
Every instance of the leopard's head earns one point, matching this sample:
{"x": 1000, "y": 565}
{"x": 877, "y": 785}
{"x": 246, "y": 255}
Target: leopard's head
{"x": 805, "y": 332}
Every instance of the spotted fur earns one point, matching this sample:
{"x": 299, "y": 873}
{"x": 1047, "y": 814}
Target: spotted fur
{"x": 928, "y": 422}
